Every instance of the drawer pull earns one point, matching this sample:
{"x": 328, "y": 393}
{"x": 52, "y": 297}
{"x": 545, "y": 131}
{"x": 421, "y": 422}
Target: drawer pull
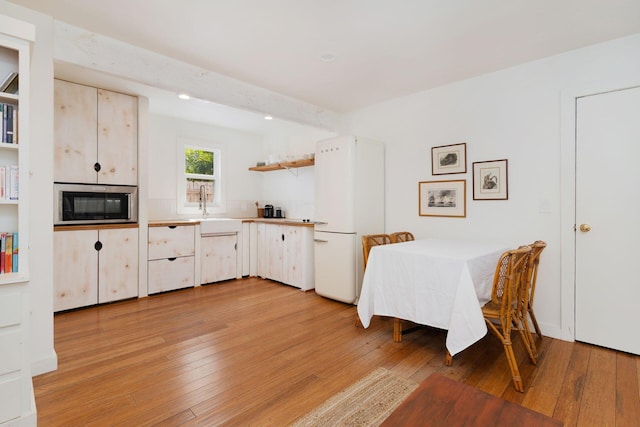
{"x": 172, "y": 259}
{"x": 172, "y": 226}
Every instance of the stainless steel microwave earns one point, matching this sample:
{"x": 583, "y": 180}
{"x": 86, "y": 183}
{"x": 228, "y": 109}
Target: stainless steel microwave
{"x": 94, "y": 204}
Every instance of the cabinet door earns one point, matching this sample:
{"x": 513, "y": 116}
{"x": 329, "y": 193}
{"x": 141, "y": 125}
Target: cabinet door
{"x": 117, "y": 138}
{"x": 273, "y": 252}
{"x": 75, "y": 139}
{"x": 118, "y": 264}
{"x": 298, "y": 257}
{"x": 75, "y": 270}
{"x": 218, "y": 258}
{"x": 261, "y": 250}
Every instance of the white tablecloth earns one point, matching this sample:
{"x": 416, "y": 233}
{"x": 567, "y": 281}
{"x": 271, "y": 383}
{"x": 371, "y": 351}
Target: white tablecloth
{"x": 435, "y": 282}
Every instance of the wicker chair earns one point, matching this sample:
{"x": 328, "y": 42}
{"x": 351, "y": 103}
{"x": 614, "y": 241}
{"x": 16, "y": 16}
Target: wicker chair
{"x": 500, "y": 313}
{"x": 401, "y": 236}
{"x": 370, "y": 240}
{"x": 525, "y": 299}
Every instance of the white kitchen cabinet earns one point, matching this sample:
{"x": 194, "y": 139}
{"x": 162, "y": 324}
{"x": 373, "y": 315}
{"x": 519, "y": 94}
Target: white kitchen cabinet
{"x": 95, "y": 135}
{"x": 93, "y": 266}
{"x": 285, "y": 254}
{"x": 219, "y": 254}
{"x": 171, "y": 257}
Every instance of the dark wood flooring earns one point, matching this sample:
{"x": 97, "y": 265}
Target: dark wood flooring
{"x": 254, "y": 352}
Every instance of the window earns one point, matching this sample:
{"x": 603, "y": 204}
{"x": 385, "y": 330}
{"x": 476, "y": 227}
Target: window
{"x": 199, "y": 174}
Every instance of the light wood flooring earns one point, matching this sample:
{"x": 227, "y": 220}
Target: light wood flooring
{"x": 254, "y": 352}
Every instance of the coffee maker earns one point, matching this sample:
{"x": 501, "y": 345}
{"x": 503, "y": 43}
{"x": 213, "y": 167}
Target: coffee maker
{"x": 268, "y": 211}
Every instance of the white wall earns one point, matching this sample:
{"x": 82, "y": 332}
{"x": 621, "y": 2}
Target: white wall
{"x": 240, "y": 150}
{"x": 292, "y": 190}
{"x": 512, "y": 114}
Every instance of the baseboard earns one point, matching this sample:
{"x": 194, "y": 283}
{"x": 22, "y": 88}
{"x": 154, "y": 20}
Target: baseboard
{"x": 47, "y": 364}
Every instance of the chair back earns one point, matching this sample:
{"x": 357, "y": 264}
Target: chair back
{"x": 401, "y": 236}
{"x": 370, "y": 240}
{"x": 507, "y": 281}
{"x": 531, "y": 274}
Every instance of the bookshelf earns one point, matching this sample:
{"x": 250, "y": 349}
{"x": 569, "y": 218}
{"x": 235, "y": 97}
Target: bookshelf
{"x": 13, "y": 156}
{"x": 17, "y": 404}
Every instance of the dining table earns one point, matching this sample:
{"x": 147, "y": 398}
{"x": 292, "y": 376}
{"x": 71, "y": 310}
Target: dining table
{"x": 436, "y": 282}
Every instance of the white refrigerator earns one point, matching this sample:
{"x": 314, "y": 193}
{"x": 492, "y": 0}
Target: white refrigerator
{"x": 349, "y": 203}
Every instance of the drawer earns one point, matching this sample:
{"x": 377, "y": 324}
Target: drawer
{"x": 11, "y": 396}
{"x": 171, "y": 242}
{"x": 11, "y": 354}
{"x": 172, "y": 273}
{"x": 10, "y": 309}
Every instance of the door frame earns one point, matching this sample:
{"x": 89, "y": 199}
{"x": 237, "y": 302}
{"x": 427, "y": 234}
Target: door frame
{"x": 568, "y": 115}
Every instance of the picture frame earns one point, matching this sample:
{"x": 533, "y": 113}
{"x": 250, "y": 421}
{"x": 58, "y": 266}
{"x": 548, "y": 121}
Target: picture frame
{"x": 442, "y": 198}
{"x": 491, "y": 180}
{"x": 449, "y": 159}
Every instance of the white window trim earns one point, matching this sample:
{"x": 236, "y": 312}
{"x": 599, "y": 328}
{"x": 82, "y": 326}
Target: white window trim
{"x": 219, "y": 205}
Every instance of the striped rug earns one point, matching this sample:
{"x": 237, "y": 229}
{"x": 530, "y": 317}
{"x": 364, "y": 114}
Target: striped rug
{"x": 368, "y": 402}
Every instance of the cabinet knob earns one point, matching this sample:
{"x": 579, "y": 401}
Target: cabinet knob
{"x": 97, "y": 167}
{"x": 98, "y": 245}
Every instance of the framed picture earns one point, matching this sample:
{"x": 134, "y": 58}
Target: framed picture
{"x": 442, "y": 198}
{"x": 490, "y": 180}
{"x": 449, "y": 159}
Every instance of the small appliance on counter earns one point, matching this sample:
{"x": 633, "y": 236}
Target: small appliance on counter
{"x": 269, "y": 211}
{"x": 279, "y": 212}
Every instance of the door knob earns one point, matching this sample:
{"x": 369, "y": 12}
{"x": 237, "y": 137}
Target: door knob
{"x": 585, "y": 228}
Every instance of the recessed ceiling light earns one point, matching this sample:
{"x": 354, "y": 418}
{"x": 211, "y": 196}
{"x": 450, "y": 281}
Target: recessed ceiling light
{"x": 327, "y": 57}
{"x": 184, "y": 96}
{"x": 268, "y": 117}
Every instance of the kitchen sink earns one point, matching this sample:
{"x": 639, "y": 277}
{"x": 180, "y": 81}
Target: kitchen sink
{"x": 219, "y": 225}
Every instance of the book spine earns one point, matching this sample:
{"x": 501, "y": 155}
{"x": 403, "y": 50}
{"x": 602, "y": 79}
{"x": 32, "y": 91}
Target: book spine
{"x": 3, "y": 174}
{"x": 4, "y": 122}
{"x": 3, "y": 241}
{"x": 14, "y": 185}
{"x": 8, "y": 251}
{"x": 14, "y": 260}
{"x": 9, "y": 124}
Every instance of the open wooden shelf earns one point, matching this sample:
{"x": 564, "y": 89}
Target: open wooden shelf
{"x": 284, "y": 165}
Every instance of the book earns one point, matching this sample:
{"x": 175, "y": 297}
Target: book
{"x": 3, "y": 240}
{"x": 14, "y": 260}
{"x": 3, "y": 175}
{"x": 8, "y": 253}
{"x": 14, "y": 186}
{"x": 3, "y": 122}
{"x": 8, "y": 124}
{"x": 13, "y": 86}
{"x": 8, "y": 82}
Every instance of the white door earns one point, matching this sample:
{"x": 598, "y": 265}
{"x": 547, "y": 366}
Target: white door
{"x": 75, "y": 269}
{"x": 335, "y": 184}
{"x": 118, "y": 264}
{"x": 336, "y": 264}
{"x": 218, "y": 258}
{"x": 608, "y": 202}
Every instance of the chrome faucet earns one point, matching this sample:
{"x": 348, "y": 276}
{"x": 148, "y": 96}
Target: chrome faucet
{"x": 203, "y": 201}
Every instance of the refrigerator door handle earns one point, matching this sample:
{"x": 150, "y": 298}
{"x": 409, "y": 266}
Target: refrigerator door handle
{"x": 320, "y": 241}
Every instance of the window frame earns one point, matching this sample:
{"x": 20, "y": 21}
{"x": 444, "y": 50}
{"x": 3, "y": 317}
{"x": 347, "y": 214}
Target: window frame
{"x": 218, "y": 205}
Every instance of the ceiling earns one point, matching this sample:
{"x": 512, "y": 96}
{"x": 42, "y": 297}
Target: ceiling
{"x": 342, "y": 55}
